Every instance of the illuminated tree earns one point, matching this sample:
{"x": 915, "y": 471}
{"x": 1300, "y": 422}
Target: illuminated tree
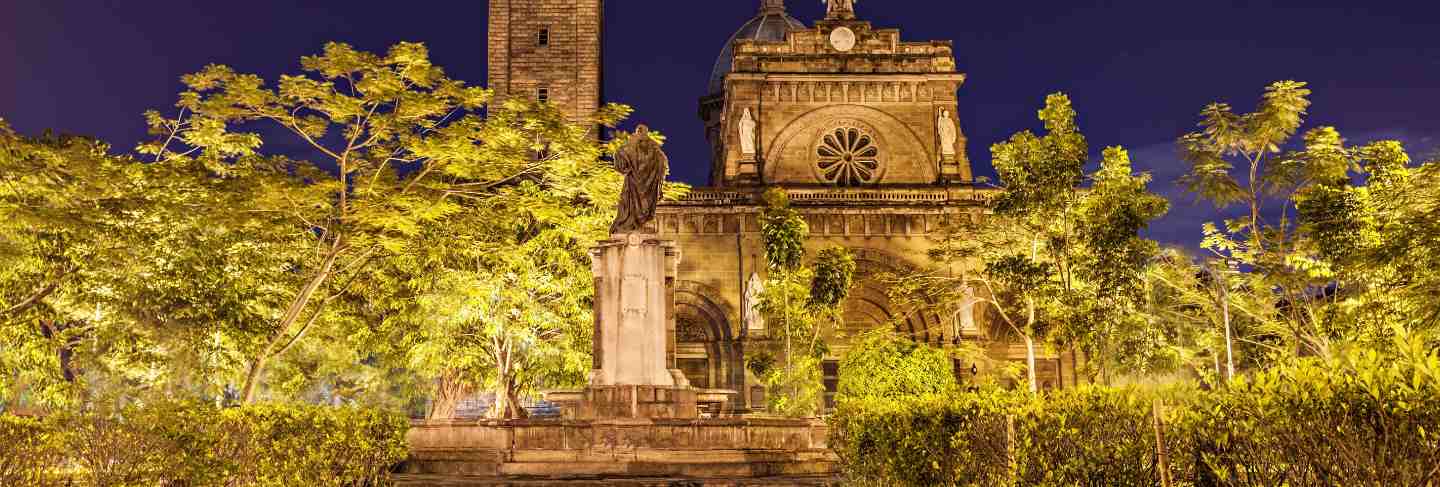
{"x": 399, "y": 147}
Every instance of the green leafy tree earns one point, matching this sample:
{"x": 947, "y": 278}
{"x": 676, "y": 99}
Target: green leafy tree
{"x": 799, "y": 304}
{"x": 502, "y": 296}
{"x": 122, "y": 273}
{"x": 1333, "y": 265}
{"x": 1255, "y": 143}
{"x": 1061, "y": 264}
{"x": 399, "y": 147}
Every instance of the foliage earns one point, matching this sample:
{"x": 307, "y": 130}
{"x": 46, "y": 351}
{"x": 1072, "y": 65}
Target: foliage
{"x": 399, "y": 147}
{"x": 169, "y": 443}
{"x": 105, "y": 259}
{"x": 499, "y": 298}
{"x": 884, "y": 365}
{"x": 1063, "y": 265}
{"x": 798, "y": 303}
{"x": 1095, "y": 436}
{"x": 931, "y": 440}
{"x": 1380, "y": 412}
{"x": 783, "y": 232}
{"x": 28, "y": 450}
{"x": 218, "y": 270}
{"x": 834, "y": 275}
{"x": 1342, "y": 270}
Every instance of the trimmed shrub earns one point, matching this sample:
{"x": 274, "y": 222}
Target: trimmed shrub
{"x": 930, "y": 440}
{"x": 884, "y": 364}
{"x": 198, "y": 445}
{"x": 313, "y": 445}
{"x": 1096, "y": 436}
{"x": 1365, "y": 419}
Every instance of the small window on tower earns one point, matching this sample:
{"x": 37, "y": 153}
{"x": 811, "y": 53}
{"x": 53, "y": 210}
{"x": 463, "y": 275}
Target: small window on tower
{"x": 543, "y": 95}
{"x": 543, "y": 39}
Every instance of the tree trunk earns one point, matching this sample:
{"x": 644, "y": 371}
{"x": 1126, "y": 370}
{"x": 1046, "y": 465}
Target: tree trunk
{"x": 1229, "y": 341}
{"x": 292, "y": 314}
{"x": 1162, "y": 457}
{"x": 449, "y": 391}
{"x": 1030, "y": 361}
{"x": 1030, "y": 346}
{"x": 507, "y": 400}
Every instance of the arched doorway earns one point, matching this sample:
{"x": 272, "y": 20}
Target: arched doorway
{"x": 705, "y": 347}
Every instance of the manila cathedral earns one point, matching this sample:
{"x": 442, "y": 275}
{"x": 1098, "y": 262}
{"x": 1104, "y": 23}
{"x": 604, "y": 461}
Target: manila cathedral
{"x": 856, "y": 124}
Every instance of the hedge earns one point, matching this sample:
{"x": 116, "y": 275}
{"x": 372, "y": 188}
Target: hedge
{"x": 1366, "y": 419}
{"x": 197, "y": 445}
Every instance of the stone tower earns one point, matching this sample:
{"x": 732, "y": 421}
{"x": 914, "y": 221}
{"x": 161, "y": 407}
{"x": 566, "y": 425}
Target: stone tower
{"x": 548, "y": 50}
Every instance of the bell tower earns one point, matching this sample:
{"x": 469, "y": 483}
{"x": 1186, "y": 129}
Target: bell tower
{"x": 548, "y": 50}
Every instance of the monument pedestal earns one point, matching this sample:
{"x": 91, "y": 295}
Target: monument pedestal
{"x": 633, "y": 375}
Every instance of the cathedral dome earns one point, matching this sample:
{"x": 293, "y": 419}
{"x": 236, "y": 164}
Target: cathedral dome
{"x": 769, "y": 25}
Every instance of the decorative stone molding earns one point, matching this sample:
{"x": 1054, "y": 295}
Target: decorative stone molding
{"x": 795, "y": 145}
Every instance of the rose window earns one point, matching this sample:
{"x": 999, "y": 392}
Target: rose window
{"x": 848, "y": 157}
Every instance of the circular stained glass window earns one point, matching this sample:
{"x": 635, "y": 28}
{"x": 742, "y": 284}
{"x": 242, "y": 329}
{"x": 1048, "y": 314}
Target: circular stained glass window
{"x": 848, "y": 157}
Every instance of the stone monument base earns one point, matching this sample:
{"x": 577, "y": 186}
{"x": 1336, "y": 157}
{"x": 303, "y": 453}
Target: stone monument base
{"x": 639, "y": 402}
{"x": 627, "y": 402}
{"x": 564, "y": 452}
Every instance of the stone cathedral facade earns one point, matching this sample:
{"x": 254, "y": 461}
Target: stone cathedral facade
{"x": 855, "y": 122}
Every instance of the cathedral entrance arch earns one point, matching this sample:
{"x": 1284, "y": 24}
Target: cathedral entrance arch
{"x": 869, "y": 305}
{"x": 705, "y": 346}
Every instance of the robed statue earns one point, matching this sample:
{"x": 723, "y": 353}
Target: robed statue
{"x": 948, "y": 133}
{"x": 645, "y": 166}
{"x": 747, "y": 134}
{"x": 840, "y": 9}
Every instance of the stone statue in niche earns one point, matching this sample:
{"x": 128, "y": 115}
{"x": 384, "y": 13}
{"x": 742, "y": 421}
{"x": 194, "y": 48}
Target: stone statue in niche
{"x": 753, "y": 289}
{"x": 645, "y": 166}
{"x": 967, "y": 311}
{"x": 948, "y": 134}
{"x": 747, "y": 134}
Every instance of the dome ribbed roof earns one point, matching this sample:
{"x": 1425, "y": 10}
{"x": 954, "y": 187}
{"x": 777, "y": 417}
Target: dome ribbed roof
{"x": 769, "y": 25}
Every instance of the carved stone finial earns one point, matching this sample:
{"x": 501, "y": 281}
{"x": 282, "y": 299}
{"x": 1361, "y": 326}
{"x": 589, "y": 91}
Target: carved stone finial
{"x": 772, "y": 6}
{"x": 840, "y": 10}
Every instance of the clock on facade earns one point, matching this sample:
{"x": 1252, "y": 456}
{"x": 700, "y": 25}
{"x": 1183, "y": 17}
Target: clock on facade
{"x": 842, "y": 39}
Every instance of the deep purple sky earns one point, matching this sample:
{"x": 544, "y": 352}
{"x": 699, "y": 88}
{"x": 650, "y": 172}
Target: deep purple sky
{"x": 1138, "y": 71}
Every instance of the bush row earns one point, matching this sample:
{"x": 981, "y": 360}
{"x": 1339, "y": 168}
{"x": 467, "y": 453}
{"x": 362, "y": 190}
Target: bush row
{"x": 1362, "y": 420}
{"x": 196, "y": 445}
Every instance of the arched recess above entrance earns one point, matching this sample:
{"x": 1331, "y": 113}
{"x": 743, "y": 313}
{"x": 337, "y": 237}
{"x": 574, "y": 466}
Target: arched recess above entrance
{"x": 704, "y": 324}
{"x": 708, "y": 307}
{"x": 904, "y": 156}
{"x": 870, "y": 306}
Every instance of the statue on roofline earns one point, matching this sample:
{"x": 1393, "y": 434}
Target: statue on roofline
{"x": 840, "y": 9}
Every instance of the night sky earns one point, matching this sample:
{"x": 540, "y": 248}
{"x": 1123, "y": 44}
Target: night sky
{"x": 1138, "y": 71}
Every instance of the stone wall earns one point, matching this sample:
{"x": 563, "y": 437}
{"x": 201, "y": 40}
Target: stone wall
{"x": 888, "y": 230}
{"x": 618, "y": 449}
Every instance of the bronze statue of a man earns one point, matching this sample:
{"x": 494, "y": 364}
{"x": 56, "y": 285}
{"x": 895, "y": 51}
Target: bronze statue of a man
{"x": 645, "y": 166}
